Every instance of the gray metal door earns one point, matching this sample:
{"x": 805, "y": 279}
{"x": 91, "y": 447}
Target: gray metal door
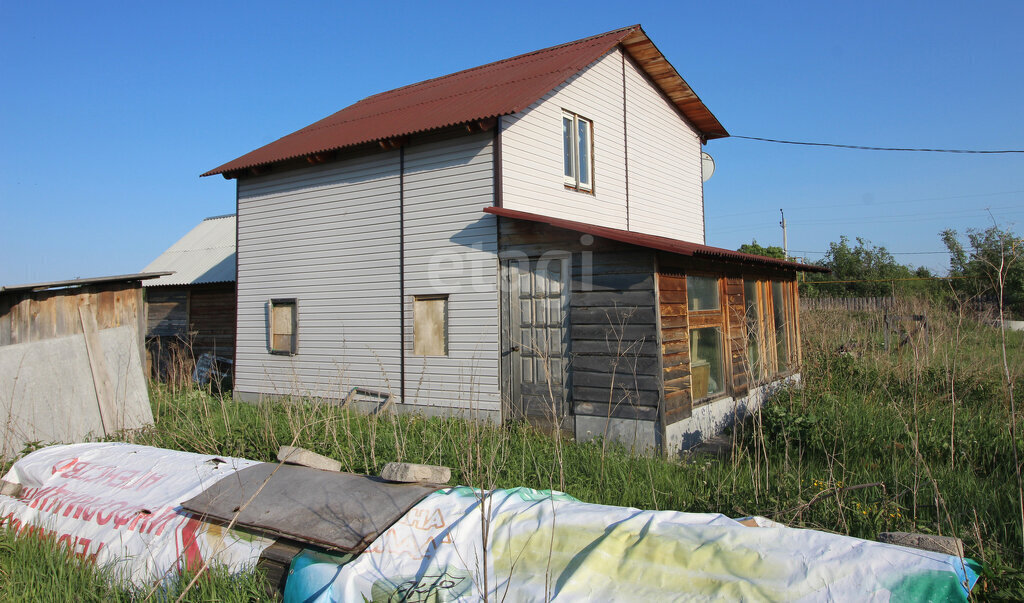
{"x": 539, "y": 336}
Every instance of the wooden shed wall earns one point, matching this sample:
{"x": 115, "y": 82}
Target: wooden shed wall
{"x": 211, "y": 316}
{"x": 613, "y": 347}
{"x": 675, "y": 326}
{"x": 35, "y": 316}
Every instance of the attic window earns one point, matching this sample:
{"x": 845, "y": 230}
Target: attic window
{"x": 577, "y": 152}
{"x": 284, "y": 326}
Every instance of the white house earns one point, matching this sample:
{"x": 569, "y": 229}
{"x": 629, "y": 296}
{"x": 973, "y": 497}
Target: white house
{"x": 520, "y": 239}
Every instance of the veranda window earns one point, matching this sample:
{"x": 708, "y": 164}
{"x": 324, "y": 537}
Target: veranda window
{"x": 707, "y": 325}
{"x": 771, "y": 327}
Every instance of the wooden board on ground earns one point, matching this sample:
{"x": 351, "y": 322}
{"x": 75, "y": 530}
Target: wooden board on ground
{"x": 339, "y": 511}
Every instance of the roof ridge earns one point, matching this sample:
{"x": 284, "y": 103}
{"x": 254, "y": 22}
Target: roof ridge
{"x": 499, "y": 62}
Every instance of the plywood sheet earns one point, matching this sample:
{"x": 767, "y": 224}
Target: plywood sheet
{"x": 341, "y": 511}
{"x": 48, "y": 393}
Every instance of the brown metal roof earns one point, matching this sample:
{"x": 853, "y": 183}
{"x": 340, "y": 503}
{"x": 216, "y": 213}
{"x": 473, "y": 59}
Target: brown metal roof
{"x": 655, "y": 242}
{"x": 480, "y": 93}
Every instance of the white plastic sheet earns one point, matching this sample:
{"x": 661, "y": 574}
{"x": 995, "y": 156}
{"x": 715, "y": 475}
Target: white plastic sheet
{"x": 120, "y": 505}
{"x": 548, "y": 546}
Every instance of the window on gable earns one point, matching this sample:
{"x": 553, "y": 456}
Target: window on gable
{"x": 430, "y": 325}
{"x": 284, "y": 326}
{"x": 577, "y": 152}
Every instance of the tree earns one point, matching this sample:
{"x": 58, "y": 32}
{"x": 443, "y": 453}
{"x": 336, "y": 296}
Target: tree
{"x": 996, "y": 257}
{"x": 772, "y": 251}
{"x": 874, "y": 272}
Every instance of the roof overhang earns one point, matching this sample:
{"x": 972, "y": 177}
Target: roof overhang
{"x": 664, "y": 75}
{"x": 655, "y": 242}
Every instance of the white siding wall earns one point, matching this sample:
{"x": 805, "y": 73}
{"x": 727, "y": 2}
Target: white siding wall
{"x": 665, "y": 189}
{"x": 327, "y": 236}
{"x": 531, "y": 149}
{"x": 451, "y": 249}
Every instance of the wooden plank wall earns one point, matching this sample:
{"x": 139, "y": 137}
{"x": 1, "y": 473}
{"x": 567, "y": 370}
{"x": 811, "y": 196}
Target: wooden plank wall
{"x": 166, "y": 311}
{"x": 211, "y": 319}
{"x": 736, "y": 329}
{"x": 36, "y": 316}
{"x": 675, "y": 346}
{"x": 613, "y": 339}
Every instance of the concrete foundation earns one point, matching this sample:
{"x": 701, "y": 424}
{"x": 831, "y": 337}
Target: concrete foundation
{"x": 635, "y": 434}
{"x": 709, "y": 420}
{"x": 491, "y": 416}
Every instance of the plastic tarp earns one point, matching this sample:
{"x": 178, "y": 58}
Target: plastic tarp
{"x": 549, "y": 546}
{"x": 119, "y": 505}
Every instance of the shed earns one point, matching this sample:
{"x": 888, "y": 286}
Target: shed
{"x": 70, "y": 360}
{"x": 191, "y": 312}
{"x": 41, "y": 311}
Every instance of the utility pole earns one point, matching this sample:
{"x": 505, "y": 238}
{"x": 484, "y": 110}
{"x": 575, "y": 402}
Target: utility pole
{"x": 785, "y": 241}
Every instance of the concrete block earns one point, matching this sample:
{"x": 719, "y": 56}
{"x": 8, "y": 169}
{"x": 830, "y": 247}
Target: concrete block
{"x": 307, "y": 458}
{"x": 9, "y": 488}
{"x": 926, "y": 542}
{"x": 411, "y": 472}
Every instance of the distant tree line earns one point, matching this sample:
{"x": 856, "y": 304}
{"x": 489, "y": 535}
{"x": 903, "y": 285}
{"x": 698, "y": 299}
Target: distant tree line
{"x": 979, "y": 263}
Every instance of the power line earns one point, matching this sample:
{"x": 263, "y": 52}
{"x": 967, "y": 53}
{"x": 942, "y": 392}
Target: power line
{"x": 850, "y": 204}
{"x": 867, "y": 148}
{"x": 887, "y": 280}
{"x": 887, "y": 251}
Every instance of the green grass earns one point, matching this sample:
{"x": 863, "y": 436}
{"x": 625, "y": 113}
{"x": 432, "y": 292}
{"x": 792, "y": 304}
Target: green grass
{"x": 863, "y": 416}
{"x": 36, "y": 569}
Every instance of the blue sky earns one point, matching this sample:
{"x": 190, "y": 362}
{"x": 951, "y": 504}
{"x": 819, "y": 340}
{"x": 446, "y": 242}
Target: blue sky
{"x": 110, "y": 111}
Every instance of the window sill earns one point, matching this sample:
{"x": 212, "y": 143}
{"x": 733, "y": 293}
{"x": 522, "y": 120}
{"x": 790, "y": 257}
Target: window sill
{"x": 710, "y": 399}
{"x": 281, "y": 353}
{"x": 579, "y": 190}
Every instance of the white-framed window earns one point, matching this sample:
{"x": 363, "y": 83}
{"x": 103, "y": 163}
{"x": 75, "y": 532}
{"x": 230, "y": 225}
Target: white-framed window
{"x": 284, "y": 326}
{"x": 577, "y": 151}
{"x": 430, "y": 325}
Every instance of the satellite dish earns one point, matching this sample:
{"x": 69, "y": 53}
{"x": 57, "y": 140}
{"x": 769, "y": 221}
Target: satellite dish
{"x": 707, "y": 166}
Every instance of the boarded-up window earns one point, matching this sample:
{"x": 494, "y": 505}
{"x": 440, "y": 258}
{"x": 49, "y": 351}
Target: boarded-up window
{"x": 430, "y": 325}
{"x": 284, "y": 326}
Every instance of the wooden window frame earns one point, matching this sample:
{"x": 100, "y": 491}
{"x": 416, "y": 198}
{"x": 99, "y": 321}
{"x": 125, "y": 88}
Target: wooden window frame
{"x": 711, "y": 318}
{"x": 768, "y": 334}
{"x": 445, "y": 334}
{"x": 293, "y": 349}
{"x": 573, "y": 182}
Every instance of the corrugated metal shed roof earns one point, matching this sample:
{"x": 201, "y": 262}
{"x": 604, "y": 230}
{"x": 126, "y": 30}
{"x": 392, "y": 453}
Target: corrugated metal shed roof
{"x": 205, "y": 255}
{"x": 484, "y": 92}
{"x": 655, "y": 242}
{"x": 81, "y": 282}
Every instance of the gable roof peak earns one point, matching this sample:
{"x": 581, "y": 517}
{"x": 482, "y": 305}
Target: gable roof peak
{"x": 480, "y": 93}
